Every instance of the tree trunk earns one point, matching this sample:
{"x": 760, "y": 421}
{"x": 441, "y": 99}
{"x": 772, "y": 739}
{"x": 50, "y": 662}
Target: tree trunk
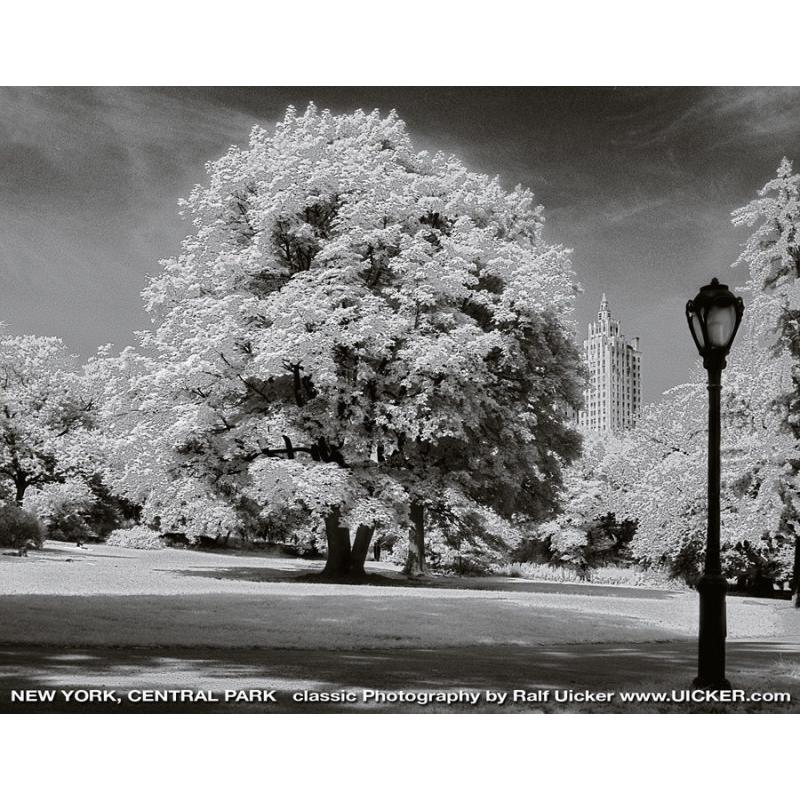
{"x": 376, "y": 551}
{"x": 796, "y": 572}
{"x": 337, "y": 564}
{"x": 415, "y": 560}
{"x": 360, "y": 550}
{"x": 21, "y": 485}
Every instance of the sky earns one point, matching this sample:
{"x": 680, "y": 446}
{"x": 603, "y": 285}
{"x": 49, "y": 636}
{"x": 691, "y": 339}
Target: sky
{"x": 638, "y": 182}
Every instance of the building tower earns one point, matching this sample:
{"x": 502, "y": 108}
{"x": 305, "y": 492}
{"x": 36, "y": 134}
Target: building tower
{"x": 614, "y": 394}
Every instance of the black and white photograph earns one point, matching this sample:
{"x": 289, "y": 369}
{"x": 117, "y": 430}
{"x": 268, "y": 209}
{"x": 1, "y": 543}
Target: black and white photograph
{"x": 399, "y": 399}
{"x": 423, "y": 400}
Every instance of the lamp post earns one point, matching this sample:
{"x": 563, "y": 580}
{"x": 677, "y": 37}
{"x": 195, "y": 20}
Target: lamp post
{"x": 714, "y": 317}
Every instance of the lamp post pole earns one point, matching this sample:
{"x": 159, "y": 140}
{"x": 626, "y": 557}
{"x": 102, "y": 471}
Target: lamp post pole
{"x": 714, "y": 317}
{"x": 712, "y": 586}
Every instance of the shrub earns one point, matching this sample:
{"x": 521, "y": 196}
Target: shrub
{"x": 610, "y": 575}
{"x": 20, "y": 528}
{"x": 138, "y": 537}
{"x": 608, "y": 541}
{"x": 70, "y": 527}
{"x": 532, "y": 549}
{"x": 77, "y": 510}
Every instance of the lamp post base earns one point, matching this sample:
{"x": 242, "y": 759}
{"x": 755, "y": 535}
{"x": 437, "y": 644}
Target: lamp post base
{"x": 713, "y": 631}
{"x": 697, "y": 683}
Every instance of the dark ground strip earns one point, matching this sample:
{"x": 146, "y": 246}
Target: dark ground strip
{"x": 760, "y": 666}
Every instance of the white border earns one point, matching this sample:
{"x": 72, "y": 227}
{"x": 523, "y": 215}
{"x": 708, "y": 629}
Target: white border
{"x": 393, "y": 756}
{"x": 413, "y": 43}
{"x": 417, "y": 42}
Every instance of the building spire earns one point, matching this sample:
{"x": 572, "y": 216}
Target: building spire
{"x": 603, "y": 313}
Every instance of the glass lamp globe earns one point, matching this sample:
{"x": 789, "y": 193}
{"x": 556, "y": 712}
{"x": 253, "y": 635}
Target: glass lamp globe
{"x": 714, "y": 316}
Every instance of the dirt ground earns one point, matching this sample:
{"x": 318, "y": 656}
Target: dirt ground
{"x": 135, "y": 621}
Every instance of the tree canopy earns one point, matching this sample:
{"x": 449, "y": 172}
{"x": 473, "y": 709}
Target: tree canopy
{"x": 353, "y": 327}
{"x": 45, "y": 410}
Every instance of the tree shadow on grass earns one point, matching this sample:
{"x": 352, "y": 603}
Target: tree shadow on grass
{"x": 292, "y": 575}
{"x": 494, "y": 584}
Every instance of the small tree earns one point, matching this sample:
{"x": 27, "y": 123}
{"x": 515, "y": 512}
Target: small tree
{"x": 46, "y": 412}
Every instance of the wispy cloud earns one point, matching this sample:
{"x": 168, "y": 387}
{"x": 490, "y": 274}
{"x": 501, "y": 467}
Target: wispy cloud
{"x": 720, "y": 116}
{"x": 103, "y": 134}
{"x": 618, "y": 212}
{"x": 89, "y": 180}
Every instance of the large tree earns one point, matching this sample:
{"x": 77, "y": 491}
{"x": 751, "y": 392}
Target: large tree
{"x": 354, "y": 328}
{"x": 772, "y": 255}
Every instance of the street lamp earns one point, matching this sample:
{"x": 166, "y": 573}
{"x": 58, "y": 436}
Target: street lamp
{"x": 714, "y": 317}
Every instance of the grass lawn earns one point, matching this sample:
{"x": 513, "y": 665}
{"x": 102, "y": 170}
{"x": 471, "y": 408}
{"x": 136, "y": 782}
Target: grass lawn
{"x": 123, "y": 620}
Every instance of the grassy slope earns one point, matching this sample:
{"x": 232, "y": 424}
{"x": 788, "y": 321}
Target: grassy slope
{"x": 113, "y": 617}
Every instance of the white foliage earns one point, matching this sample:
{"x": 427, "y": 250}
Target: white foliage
{"x": 384, "y": 307}
{"x": 47, "y": 413}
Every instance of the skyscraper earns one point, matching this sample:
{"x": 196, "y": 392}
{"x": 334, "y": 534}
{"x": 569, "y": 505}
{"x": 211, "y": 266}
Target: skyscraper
{"x": 614, "y": 394}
